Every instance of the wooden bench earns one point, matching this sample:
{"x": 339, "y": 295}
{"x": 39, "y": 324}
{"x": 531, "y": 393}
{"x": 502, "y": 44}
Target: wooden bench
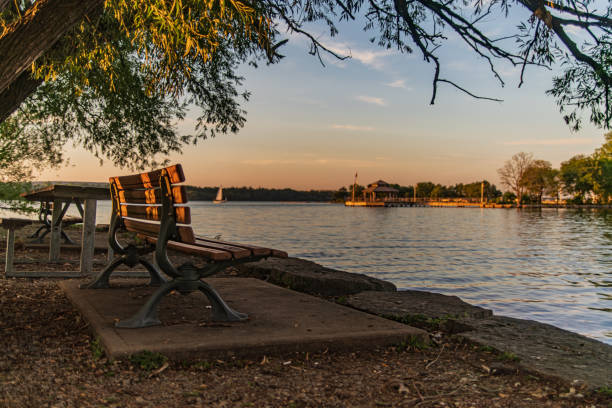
{"x": 11, "y": 225}
{"x": 153, "y": 206}
{"x": 45, "y": 211}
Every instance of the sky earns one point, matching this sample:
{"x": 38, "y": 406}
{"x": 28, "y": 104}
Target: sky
{"x": 311, "y": 126}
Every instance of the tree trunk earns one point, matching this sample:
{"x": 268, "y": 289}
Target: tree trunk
{"x": 12, "y": 97}
{"x": 25, "y": 41}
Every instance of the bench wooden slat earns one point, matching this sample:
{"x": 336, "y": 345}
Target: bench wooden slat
{"x": 152, "y": 229}
{"x": 149, "y": 180}
{"x": 237, "y": 252}
{"x": 152, "y": 196}
{"x": 153, "y": 213}
{"x": 210, "y": 253}
{"x": 256, "y": 250}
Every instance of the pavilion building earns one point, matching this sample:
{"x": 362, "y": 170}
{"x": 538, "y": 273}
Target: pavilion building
{"x": 380, "y": 191}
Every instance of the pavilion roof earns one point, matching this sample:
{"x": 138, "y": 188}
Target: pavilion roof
{"x": 380, "y": 189}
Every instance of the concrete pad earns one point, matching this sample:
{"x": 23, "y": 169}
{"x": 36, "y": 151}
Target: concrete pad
{"x": 280, "y": 321}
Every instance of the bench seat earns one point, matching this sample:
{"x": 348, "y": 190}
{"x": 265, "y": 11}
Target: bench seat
{"x": 220, "y": 250}
{"x": 153, "y": 206}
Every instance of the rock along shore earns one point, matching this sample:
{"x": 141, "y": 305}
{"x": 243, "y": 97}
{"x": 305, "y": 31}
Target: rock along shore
{"x": 538, "y": 347}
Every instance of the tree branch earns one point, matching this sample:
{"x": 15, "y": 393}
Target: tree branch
{"x": 33, "y": 34}
{"x": 555, "y": 6}
{"x": 315, "y": 43}
{"x": 531, "y": 43}
{"x": 468, "y": 92}
{"x": 555, "y": 24}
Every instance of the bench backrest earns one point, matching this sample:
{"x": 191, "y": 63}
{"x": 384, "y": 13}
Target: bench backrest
{"x": 145, "y": 201}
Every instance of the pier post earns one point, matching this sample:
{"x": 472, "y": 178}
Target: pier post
{"x": 482, "y": 193}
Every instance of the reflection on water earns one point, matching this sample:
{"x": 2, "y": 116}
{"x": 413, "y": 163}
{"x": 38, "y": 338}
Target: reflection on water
{"x": 554, "y": 266}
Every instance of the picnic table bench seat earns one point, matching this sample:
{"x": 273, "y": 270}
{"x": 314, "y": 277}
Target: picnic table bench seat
{"x": 11, "y": 225}
{"x": 153, "y": 206}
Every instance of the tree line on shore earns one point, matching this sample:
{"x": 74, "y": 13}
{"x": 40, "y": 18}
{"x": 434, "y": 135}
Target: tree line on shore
{"x": 259, "y": 194}
{"x": 430, "y": 190}
{"x": 583, "y": 179}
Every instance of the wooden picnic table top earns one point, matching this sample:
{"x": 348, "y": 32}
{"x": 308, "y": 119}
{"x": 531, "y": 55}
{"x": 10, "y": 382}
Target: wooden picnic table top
{"x": 59, "y": 191}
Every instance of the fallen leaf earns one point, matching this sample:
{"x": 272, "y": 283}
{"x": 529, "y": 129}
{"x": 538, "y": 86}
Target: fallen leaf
{"x": 159, "y": 370}
{"x": 403, "y": 389}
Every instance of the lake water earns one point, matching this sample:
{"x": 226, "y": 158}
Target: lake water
{"x": 554, "y": 266}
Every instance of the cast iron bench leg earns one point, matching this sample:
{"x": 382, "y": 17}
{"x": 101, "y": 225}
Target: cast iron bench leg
{"x": 102, "y": 280}
{"x": 221, "y": 312}
{"x": 156, "y": 278}
{"x": 147, "y": 315}
{"x": 188, "y": 282}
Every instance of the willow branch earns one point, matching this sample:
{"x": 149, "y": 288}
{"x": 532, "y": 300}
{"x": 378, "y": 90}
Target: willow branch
{"x": 607, "y": 21}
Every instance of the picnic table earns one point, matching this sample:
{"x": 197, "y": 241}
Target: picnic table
{"x": 62, "y": 195}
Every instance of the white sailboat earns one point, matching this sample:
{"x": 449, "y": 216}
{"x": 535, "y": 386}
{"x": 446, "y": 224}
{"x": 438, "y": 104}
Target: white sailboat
{"x": 219, "y": 199}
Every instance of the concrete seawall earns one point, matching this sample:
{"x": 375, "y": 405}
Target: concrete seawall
{"x": 539, "y": 347}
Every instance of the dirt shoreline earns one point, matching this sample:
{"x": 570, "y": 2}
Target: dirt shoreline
{"x": 50, "y": 359}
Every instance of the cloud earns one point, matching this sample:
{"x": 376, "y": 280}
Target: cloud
{"x": 371, "y": 99}
{"x": 400, "y": 83}
{"x": 353, "y": 127}
{"x": 371, "y": 58}
{"x": 550, "y": 142}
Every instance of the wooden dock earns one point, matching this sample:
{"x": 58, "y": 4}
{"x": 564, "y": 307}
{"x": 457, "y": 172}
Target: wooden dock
{"x": 385, "y": 203}
{"x": 409, "y": 202}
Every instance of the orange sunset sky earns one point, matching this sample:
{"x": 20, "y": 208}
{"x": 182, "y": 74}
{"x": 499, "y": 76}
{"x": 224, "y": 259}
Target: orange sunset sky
{"x": 312, "y": 127}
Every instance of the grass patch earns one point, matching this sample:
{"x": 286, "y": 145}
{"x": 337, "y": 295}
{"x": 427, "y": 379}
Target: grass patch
{"x": 341, "y": 300}
{"x": 148, "y": 360}
{"x": 97, "y": 351}
{"x": 508, "y": 356}
{"x": 605, "y": 390}
{"x": 413, "y": 343}
{"x": 487, "y": 349}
